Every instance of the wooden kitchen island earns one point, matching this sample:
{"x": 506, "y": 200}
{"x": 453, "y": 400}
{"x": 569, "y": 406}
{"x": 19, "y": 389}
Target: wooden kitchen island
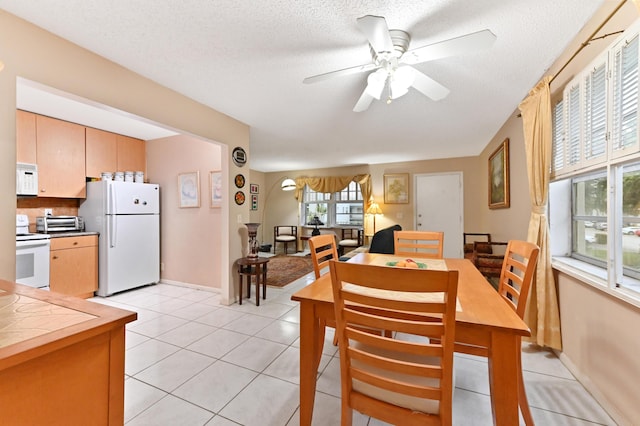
{"x": 61, "y": 359}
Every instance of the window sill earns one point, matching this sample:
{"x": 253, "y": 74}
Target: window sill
{"x": 595, "y": 277}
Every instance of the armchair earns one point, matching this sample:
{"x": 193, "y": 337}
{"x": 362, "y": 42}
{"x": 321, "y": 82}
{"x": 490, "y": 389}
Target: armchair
{"x": 351, "y": 238}
{"x": 285, "y": 234}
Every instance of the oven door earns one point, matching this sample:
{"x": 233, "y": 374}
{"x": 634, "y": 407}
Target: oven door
{"x": 32, "y": 263}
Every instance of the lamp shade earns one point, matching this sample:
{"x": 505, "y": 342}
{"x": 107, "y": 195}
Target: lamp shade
{"x": 288, "y": 185}
{"x": 374, "y": 208}
{"x": 315, "y": 221}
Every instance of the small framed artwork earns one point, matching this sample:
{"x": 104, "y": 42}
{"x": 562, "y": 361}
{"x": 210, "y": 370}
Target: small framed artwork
{"x": 189, "y": 189}
{"x": 253, "y": 188}
{"x": 254, "y": 202}
{"x": 215, "y": 185}
{"x": 499, "y": 177}
{"x": 396, "y": 188}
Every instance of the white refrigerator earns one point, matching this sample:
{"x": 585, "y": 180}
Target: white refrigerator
{"x": 127, "y": 216}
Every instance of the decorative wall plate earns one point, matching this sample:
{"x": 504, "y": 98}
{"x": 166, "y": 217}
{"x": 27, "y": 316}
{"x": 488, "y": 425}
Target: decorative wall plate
{"x": 239, "y": 197}
{"x": 239, "y": 156}
{"x": 239, "y": 180}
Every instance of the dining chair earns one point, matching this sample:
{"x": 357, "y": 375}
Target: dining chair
{"x": 323, "y": 249}
{"x": 396, "y": 381}
{"x": 518, "y": 270}
{"x": 285, "y": 234}
{"x": 426, "y": 244}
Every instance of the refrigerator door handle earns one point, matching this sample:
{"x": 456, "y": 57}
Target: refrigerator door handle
{"x": 112, "y": 200}
{"x": 112, "y": 232}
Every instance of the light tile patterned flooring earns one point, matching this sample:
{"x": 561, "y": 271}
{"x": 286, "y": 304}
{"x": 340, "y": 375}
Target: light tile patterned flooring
{"x": 191, "y": 361}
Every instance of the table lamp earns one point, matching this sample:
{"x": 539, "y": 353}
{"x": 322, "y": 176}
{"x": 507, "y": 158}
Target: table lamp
{"x": 315, "y": 221}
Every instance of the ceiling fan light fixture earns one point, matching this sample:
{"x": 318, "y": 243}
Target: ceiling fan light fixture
{"x": 376, "y": 82}
{"x": 401, "y": 79}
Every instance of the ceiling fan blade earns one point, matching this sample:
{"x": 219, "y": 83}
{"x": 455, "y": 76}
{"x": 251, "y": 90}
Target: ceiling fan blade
{"x": 364, "y": 102}
{"x": 452, "y": 47}
{"x": 338, "y": 73}
{"x": 428, "y": 86}
{"x": 375, "y": 85}
{"x": 376, "y": 30}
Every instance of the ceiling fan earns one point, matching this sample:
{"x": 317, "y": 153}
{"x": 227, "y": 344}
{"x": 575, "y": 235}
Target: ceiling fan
{"x": 391, "y": 61}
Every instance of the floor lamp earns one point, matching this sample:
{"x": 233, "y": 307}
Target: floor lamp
{"x": 286, "y": 184}
{"x": 374, "y": 209}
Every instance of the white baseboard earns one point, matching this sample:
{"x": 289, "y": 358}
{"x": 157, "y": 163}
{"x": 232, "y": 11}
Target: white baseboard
{"x": 189, "y": 285}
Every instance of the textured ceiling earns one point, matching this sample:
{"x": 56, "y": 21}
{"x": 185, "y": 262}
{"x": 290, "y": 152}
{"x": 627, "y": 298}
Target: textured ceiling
{"x": 248, "y": 59}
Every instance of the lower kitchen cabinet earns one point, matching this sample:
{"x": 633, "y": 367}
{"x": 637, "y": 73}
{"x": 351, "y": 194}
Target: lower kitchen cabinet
{"x": 74, "y": 265}
{"x": 61, "y": 359}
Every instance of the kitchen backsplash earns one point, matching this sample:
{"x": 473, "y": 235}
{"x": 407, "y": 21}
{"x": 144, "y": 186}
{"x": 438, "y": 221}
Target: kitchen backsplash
{"x": 34, "y": 207}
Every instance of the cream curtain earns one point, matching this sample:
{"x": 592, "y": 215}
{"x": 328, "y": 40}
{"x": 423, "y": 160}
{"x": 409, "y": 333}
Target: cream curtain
{"x": 542, "y": 313}
{"x": 332, "y": 184}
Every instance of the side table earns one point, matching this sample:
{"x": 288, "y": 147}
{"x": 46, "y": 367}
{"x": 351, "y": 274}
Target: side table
{"x": 253, "y": 267}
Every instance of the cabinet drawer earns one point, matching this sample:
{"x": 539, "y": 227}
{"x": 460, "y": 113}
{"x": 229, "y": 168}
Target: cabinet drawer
{"x": 63, "y": 243}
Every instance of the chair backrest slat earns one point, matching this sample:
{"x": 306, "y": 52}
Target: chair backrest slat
{"x": 426, "y": 244}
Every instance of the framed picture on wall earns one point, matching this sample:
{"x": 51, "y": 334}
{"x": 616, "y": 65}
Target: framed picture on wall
{"x": 396, "y": 188}
{"x": 499, "y": 177}
{"x": 215, "y": 186}
{"x": 253, "y": 188}
{"x": 189, "y": 189}
{"x": 254, "y": 202}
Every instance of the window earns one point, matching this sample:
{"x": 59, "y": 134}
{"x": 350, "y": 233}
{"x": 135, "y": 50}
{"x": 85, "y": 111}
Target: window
{"x": 589, "y": 218}
{"x": 344, "y": 208}
{"x": 595, "y": 195}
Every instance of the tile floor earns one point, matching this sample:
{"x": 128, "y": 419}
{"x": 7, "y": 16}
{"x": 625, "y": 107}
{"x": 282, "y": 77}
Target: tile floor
{"x": 191, "y": 361}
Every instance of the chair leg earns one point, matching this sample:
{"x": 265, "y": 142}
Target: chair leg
{"x": 522, "y": 395}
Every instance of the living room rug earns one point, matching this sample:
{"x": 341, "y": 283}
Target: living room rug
{"x": 281, "y": 269}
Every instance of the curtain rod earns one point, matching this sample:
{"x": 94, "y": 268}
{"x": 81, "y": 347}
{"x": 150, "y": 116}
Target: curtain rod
{"x": 586, "y": 43}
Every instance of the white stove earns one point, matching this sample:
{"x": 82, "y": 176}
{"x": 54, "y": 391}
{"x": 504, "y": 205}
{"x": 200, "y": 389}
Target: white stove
{"x": 35, "y": 236}
{"x": 32, "y": 255}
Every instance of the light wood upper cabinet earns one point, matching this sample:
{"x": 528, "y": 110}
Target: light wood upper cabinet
{"x": 61, "y": 158}
{"x": 25, "y": 137}
{"x": 101, "y": 152}
{"x": 131, "y": 154}
{"x": 74, "y": 265}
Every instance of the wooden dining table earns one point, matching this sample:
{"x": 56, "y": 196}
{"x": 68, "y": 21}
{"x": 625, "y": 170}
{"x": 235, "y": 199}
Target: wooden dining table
{"x": 482, "y": 319}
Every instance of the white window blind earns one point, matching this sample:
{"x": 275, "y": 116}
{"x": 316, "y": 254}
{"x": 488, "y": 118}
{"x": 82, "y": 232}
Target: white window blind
{"x": 595, "y": 113}
{"x": 625, "y": 95}
{"x": 558, "y": 137}
{"x": 573, "y": 126}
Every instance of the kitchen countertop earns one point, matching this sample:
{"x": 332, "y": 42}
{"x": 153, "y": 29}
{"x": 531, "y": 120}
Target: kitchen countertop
{"x": 71, "y": 234}
{"x": 41, "y": 317}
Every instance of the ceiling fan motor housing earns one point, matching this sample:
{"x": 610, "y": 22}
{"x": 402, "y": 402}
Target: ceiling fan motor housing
{"x": 400, "y": 39}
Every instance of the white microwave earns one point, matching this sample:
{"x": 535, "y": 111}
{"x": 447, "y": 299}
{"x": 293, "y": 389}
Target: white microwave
{"x": 26, "y": 179}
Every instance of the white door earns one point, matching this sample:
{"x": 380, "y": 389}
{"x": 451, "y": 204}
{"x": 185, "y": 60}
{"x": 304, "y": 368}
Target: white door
{"x": 439, "y": 207}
